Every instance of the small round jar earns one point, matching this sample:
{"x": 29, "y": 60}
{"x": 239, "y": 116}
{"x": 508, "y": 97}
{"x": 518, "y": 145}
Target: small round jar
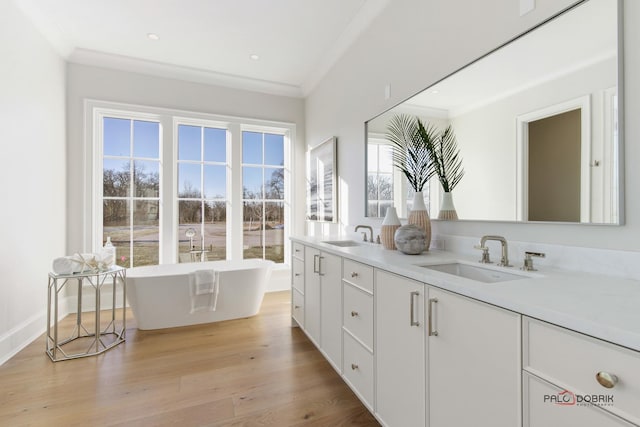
{"x": 410, "y": 239}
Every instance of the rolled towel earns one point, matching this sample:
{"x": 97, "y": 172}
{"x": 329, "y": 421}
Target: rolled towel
{"x": 62, "y": 265}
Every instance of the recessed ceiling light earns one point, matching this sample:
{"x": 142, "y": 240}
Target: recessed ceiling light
{"x": 435, "y": 91}
{"x": 254, "y": 57}
{"x": 153, "y": 36}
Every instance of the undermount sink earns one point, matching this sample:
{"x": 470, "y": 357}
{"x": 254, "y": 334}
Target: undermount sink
{"x": 473, "y": 272}
{"x": 342, "y": 243}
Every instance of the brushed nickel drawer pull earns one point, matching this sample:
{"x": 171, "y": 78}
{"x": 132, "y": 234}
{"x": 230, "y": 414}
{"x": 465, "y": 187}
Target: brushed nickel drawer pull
{"x": 606, "y": 379}
{"x": 354, "y": 314}
{"x": 296, "y": 307}
{"x": 354, "y": 366}
{"x": 297, "y": 274}
{"x": 316, "y": 261}
{"x": 412, "y": 308}
{"x": 432, "y": 301}
{"x": 354, "y": 274}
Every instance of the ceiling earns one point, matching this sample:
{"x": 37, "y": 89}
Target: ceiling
{"x": 209, "y": 41}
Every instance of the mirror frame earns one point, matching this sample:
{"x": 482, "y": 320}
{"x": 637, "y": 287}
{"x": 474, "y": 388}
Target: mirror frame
{"x": 620, "y": 107}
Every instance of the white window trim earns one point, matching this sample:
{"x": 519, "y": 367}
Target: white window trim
{"x": 95, "y": 110}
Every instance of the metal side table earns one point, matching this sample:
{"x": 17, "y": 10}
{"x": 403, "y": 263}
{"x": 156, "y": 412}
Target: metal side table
{"x": 88, "y": 337}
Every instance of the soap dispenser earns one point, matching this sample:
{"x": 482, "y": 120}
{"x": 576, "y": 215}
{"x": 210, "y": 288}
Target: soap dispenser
{"x": 111, "y": 250}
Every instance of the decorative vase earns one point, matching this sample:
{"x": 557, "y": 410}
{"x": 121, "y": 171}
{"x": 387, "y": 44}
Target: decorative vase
{"x": 447, "y": 210}
{"x": 388, "y": 230}
{"x": 410, "y": 239}
{"x": 420, "y": 216}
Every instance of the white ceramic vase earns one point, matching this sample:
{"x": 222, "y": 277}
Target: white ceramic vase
{"x": 390, "y": 224}
{"x": 420, "y": 217}
{"x": 447, "y": 209}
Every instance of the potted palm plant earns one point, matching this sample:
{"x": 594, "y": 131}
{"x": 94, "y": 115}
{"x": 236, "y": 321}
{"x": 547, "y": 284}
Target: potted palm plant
{"x": 412, "y": 151}
{"x": 446, "y": 163}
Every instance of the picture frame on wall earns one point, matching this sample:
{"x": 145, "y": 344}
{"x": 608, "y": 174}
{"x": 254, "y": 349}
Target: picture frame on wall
{"x": 322, "y": 182}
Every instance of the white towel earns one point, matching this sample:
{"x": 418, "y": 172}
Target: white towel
{"x": 204, "y": 287}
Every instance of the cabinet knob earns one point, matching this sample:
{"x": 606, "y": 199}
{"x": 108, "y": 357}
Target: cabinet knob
{"x": 354, "y": 366}
{"x": 296, "y": 307}
{"x": 354, "y": 274}
{"x": 354, "y": 314}
{"x": 606, "y": 379}
{"x": 297, "y": 274}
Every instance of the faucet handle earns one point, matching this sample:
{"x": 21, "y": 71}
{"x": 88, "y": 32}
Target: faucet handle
{"x": 528, "y": 260}
{"x": 364, "y": 236}
{"x": 485, "y": 254}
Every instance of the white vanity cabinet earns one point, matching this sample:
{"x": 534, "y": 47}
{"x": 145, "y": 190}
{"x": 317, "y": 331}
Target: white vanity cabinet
{"x": 357, "y": 329}
{"x": 563, "y": 369}
{"x": 322, "y": 302}
{"x": 297, "y": 284}
{"x": 474, "y": 359}
{"x": 400, "y": 350}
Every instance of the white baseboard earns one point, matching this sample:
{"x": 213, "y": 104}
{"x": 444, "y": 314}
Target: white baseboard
{"x": 22, "y": 335}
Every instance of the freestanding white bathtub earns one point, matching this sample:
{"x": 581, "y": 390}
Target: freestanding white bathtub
{"x": 160, "y": 296}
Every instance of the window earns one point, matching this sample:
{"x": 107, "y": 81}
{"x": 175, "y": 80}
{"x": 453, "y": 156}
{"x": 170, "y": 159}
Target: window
{"x": 379, "y": 179}
{"x": 202, "y": 192}
{"x": 263, "y": 195}
{"x": 131, "y": 189}
{"x": 168, "y": 181}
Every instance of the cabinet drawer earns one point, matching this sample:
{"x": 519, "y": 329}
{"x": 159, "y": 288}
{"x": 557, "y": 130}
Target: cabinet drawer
{"x": 359, "y": 274}
{"x": 298, "y": 250}
{"x": 539, "y": 411}
{"x": 358, "y": 313}
{"x": 572, "y": 360}
{"x": 297, "y": 307}
{"x": 297, "y": 275}
{"x": 358, "y": 368}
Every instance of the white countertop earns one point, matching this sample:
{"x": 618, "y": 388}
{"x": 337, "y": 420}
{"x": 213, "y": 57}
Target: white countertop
{"x": 604, "y": 307}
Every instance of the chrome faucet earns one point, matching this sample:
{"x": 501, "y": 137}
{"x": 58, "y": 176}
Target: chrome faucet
{"x": 364, "y": 235}
{"x": 504, "y": 261}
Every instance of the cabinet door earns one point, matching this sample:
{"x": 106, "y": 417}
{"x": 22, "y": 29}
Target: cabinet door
{"x": 400, "y": 350}
{"x": 474, "y": 362}
{"x": 540, "y": 412}
{"x": 331, "y": 308}
{"x": 312, "y": 294}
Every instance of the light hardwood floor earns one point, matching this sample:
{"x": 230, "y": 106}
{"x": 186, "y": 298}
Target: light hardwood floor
{"x": 247, "y": 372}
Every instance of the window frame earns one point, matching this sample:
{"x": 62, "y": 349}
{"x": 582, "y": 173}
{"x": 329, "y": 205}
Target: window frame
{"x": 92, "y": 229}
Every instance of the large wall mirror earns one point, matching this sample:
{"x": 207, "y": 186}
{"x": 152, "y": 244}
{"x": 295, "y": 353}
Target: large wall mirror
{"x": 536, "y": 122}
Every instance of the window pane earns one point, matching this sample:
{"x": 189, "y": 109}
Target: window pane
{"x": 146, "y": 232}
{"x": 189, "y": 180}
{"x": 189, "y": 147}
{"x": 215, "y": 227}
{"x": 385, "y": 187}
{"x": 252, "y": 183}
{"x": 273, "y": 149}
{"x": 274, "y": 231}
{"x": 252, "y": 230}
{"x": 372, "y": 186}
{"x": 116, "y": 178}
{"x": 274, "y": 185}
{"x": 215, "y": 145}
{"x": 252, "y": 147}
{"x": 386, "y": 159}
{"x": 372, "y": 208}
{"x": 215, "y": 182}
{"x": 115, "y": 224}
{"x": 146, "y": 176}
{"x": 372, "y": 157}
{"x": 117, "y": 137}
{"x": 146, "y": 139}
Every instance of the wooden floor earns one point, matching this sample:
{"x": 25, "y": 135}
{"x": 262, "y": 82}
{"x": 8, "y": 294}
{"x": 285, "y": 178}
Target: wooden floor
{"x": 248, "y": 372}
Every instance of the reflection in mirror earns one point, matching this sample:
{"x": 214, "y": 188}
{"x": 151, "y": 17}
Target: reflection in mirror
{"x": 536, "y": 122}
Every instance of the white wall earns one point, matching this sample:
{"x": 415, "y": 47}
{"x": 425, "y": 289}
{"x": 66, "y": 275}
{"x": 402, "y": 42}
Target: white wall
{"x": 33, "y": 191}
{"x": 414, "y": 43}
